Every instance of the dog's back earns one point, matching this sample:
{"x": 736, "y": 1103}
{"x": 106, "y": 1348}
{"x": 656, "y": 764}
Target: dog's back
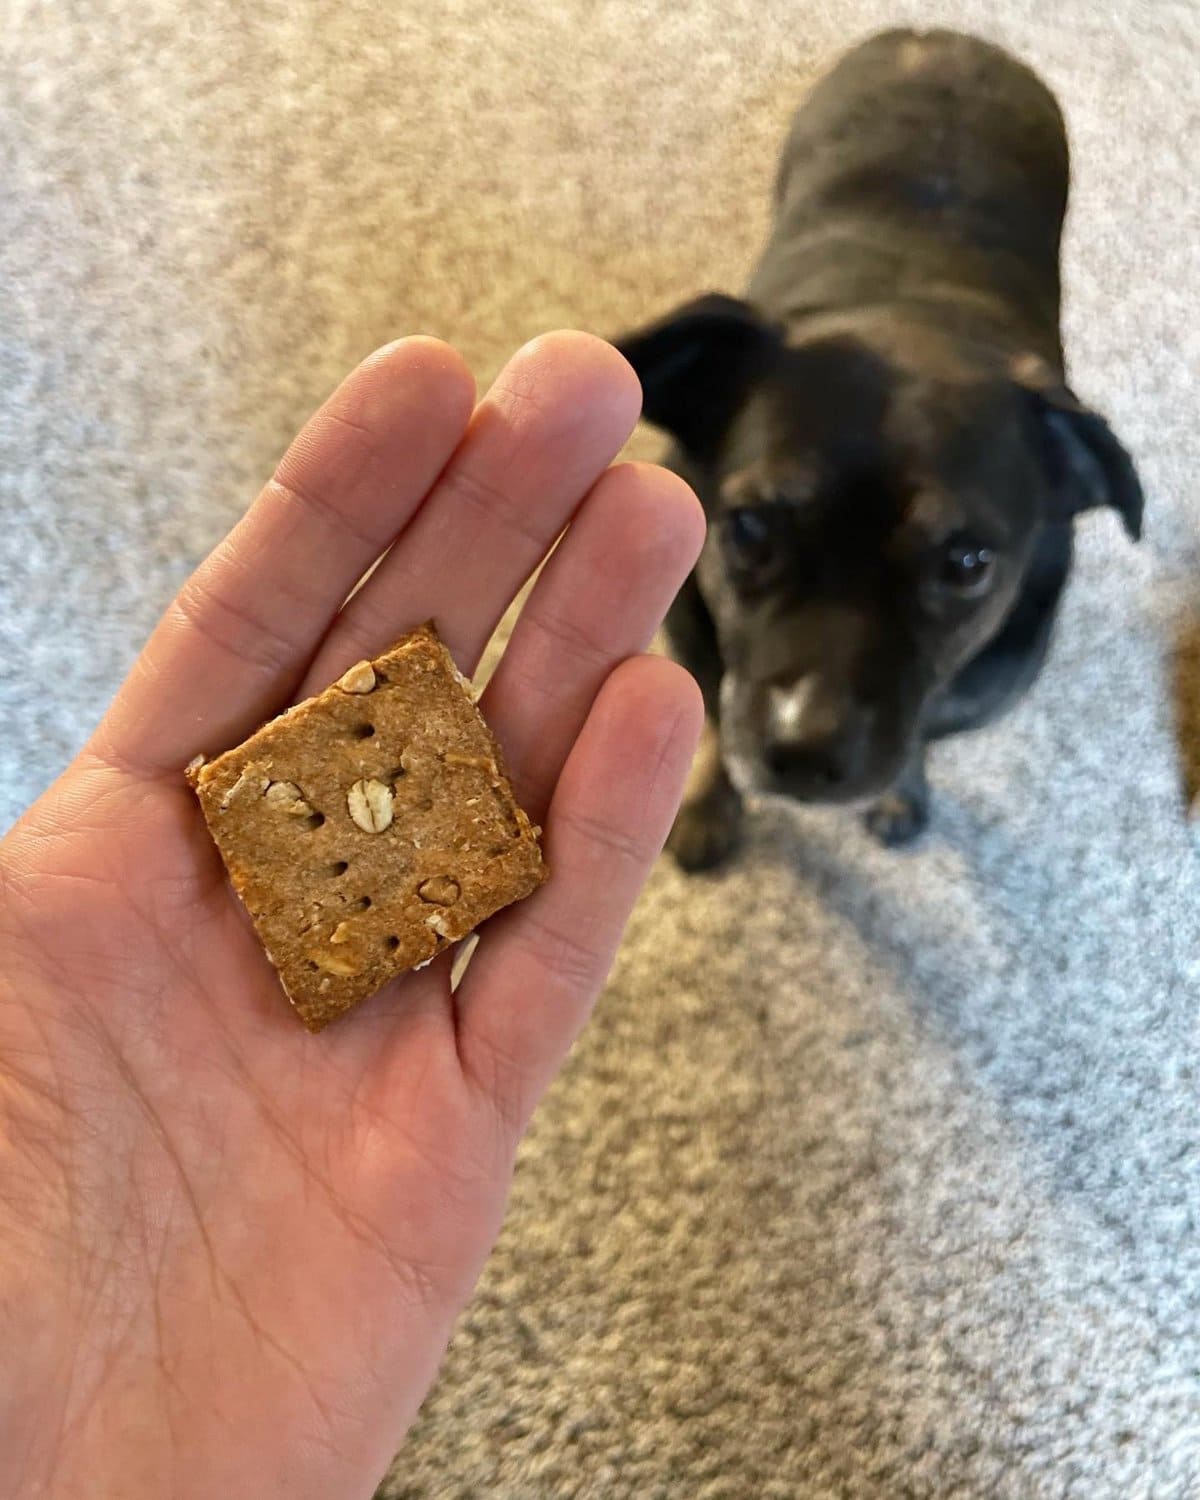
{"x": 928, "y": 170}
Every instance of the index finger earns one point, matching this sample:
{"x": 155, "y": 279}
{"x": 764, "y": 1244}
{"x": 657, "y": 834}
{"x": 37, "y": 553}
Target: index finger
{"x": 236, "y": 640}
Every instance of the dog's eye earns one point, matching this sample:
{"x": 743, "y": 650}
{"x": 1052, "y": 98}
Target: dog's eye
{"x": 747, "y": 538}
{"x": 967, "y": 566}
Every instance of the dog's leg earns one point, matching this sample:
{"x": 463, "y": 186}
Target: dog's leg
{"x": 901, "y": 815}
{"x": 709, "y": 823}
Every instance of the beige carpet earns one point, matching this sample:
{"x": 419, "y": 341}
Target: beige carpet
{"x": 876, "y": 1176}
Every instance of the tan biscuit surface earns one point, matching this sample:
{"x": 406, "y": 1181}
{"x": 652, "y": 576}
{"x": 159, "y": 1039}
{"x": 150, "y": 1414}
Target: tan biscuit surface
{"x": 370, "y": 827}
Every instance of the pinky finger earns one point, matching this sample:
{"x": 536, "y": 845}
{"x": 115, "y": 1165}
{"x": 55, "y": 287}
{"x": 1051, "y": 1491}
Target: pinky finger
{"x": 532, "y": 984}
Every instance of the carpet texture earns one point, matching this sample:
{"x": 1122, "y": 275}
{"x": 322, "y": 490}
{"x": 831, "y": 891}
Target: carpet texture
{"x": 876, "y": 1175}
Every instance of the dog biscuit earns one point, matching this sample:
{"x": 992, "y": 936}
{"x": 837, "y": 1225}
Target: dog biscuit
{"x": 370, "y": 827}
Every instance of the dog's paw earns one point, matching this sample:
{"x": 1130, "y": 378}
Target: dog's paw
{"x": 706, "y": 832}
{"x": 897, "y": 820}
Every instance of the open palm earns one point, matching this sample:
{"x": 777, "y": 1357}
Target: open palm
{"x": 231, "y": 1252}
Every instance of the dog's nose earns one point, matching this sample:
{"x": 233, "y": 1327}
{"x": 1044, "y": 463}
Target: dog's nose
{"x": 812, "y": 743}
{"x": 815, "y": 767}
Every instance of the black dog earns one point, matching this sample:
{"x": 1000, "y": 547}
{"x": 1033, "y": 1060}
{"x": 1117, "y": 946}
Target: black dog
{"x": 883, "y": 439}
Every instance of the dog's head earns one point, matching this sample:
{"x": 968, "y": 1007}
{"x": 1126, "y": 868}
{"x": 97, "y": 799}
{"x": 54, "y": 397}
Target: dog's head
{"x": 875, "y": 497}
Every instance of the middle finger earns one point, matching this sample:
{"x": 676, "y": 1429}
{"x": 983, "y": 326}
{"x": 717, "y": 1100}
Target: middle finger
{"x": 558, "y": 414}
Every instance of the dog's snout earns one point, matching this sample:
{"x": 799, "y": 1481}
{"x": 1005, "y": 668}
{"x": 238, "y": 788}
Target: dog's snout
{"x": 813, "y": 744}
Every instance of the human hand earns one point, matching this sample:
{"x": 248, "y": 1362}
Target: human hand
{"x": 231, "y": 1252}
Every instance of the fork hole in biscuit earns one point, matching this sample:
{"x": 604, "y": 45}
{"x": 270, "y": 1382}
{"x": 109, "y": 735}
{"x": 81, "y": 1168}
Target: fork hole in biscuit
{"x": 363, "y": 731}
{"x": 339, "y": 867}
{"x": 391, "y": 944}
{"x": 308, "y": 964}
{"x": 361, "y": 904}
{"x": 315, "y": 821}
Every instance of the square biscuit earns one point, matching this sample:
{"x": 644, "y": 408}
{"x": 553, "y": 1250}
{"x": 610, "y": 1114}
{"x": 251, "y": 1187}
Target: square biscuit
{"x": 370, "y": 827}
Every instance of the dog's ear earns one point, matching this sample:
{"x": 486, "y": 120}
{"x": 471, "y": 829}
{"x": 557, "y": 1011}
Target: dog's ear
{"x": 1087, "y": 463}
{"x": 695, "y": 366}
